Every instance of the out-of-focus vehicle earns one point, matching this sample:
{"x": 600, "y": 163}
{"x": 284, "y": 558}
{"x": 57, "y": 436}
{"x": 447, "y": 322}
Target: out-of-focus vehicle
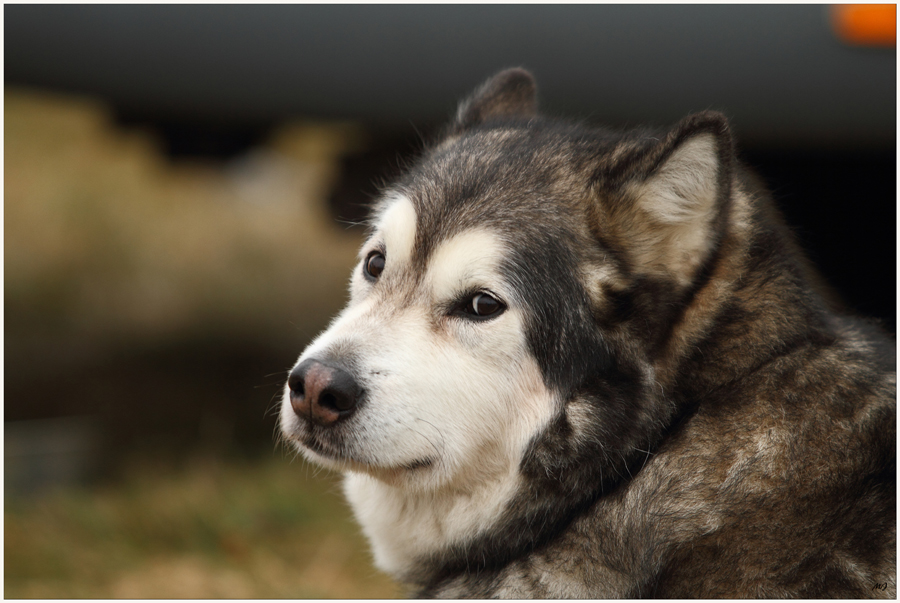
{"x": 785, "y": 74}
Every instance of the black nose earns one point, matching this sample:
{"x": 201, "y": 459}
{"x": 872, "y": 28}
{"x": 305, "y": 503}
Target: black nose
{"x": 322, "y": 393}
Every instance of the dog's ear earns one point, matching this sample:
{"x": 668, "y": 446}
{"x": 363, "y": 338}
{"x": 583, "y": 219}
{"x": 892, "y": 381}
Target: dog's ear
{"x": 674, "y": 196}
{"x": 510, "y": 93}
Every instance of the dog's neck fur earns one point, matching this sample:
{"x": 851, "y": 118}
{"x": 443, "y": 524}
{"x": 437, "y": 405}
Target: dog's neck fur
{"x": 408, "y": 526}
{"x": 741, "y": 285}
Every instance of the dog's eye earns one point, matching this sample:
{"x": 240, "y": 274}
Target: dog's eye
{"x": 483, "y": 305}
{"x": 374, "y": 265}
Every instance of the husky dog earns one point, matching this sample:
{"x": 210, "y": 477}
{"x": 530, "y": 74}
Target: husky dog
{"x": 585, "y": 363}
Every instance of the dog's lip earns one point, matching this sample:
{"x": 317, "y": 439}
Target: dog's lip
{"x": 316, "y": 446}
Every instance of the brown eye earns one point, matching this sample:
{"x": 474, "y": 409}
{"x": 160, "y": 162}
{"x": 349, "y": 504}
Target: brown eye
{"x": 483, "y": 305}
{"x": 374, "y": 265}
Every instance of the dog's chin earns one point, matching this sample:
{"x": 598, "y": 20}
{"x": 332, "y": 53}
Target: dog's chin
{"x": 332, "y": 458}
{"x": 329, "y": 450}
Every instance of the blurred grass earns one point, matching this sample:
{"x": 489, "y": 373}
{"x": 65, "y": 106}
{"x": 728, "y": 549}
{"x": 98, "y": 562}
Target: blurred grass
{"x": 170, "y": 297}
{"x": 264, "y": 529}
{"x": 107, "y": 238}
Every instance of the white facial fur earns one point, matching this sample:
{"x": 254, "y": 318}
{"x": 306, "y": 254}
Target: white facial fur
{"x": 461, "y": 395}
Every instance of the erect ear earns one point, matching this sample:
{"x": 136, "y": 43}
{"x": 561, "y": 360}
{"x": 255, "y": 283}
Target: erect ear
{"x": 675, "y": 197}
{"x": 510, "y": 93}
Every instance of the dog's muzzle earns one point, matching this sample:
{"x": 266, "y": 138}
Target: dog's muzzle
{"x": 323, "y": 394}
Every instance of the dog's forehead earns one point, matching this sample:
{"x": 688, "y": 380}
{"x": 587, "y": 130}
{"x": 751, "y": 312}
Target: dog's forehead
{"x": 469, "y": 259}
{"x": 506, "y": 181}
{"x": 395, "y": 227}
{"x": 514, "y": 197}
{"x": 464, "y": 256}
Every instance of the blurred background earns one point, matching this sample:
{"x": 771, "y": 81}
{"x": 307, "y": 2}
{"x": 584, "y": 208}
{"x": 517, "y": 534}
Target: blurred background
{"x": 182, "y": 191}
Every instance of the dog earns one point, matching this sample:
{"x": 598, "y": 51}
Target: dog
{"x": 585, "y": 363}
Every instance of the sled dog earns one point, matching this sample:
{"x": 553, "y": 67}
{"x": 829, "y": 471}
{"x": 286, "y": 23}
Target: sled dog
{"x": 586, "y": 363}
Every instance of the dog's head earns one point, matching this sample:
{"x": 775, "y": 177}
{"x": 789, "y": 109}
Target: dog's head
{"x": 511, "y": 300}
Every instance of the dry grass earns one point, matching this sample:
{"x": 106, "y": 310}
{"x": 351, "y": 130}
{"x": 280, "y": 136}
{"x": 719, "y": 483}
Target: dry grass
{"x": 108, "y": 244}
{"x": 269, "y": 529}
{"x": 105, "y": 237}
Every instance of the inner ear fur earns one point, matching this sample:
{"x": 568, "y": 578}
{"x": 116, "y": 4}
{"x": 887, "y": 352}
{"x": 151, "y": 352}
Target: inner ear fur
{"x": 671, "y": 198}
{"x": 510, "y": 93}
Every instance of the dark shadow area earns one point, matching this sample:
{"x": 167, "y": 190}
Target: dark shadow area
{"x": 166, "y": 403}
{"x": 842, "y": 207}
{"x": 182, "y": 138}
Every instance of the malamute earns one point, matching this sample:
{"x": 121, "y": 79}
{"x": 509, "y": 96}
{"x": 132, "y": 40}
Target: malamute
{"x": 585, "y": 363}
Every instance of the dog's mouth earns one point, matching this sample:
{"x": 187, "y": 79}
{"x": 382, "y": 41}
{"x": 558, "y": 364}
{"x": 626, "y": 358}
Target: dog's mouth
{"x": 328, "y": 451}
{"x": 315, "y": 444}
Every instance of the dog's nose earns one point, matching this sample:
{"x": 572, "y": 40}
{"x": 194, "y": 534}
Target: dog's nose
{"x": 321, "y": 393}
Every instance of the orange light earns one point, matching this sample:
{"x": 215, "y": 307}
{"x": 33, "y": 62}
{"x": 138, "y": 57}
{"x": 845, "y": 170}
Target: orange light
{"x": 865, "y": 24}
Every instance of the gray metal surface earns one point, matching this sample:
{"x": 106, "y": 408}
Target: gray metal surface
{"x": 777, "y": 71}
